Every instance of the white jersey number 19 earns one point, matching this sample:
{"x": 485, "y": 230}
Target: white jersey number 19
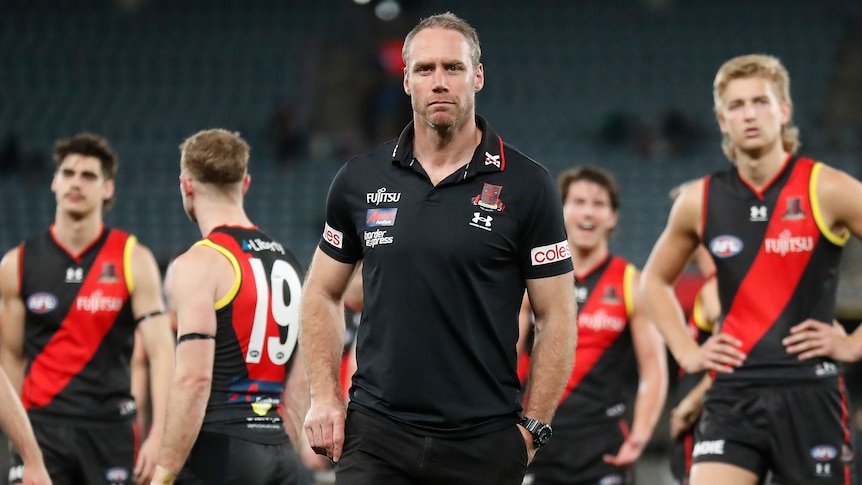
{"x": 285, "y": 315}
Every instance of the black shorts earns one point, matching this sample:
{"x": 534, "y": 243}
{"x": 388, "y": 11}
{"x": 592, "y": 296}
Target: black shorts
{"x": 218, "y": 459}
{"x": 379, "y": 452}
{"x": 94, "y": 454}
{"x": 680, "y": 458}
{"x": 798, "y": 431}
{"x": 574, "y": 456}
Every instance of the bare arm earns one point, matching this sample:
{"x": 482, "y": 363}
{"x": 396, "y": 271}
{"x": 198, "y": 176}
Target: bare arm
{"x": 16, "y": 425}
{"x": 196, "y": 283}
{"x": 525, "y": 321}
{"x": 666, "y": 262}
{"x": 553, "y": 356}
{"x": 353, "y": 293}
{"x": 689, "y": 408}
{"x": 295, "y": 397}
{"x": 840, "y": 200}
{"x": 140, "y": 385}
{"x": 13, "y": 417}
{"x": 652, "y": 389}
{"x": 157, "y": 340}
{"x": 322, "y": 339}
{"x": 686, "y": 413}
{"x": 12, "y": 315}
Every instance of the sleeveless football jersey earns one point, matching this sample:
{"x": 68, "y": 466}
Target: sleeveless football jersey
{"x": 604, "y": 370}
{"x": 79, "y": 328}
{"x": 256, "y": 335}
{"x": 777, "y": 265}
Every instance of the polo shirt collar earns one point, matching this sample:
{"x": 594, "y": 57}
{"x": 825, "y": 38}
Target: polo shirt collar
{"x": 489, "y": 156}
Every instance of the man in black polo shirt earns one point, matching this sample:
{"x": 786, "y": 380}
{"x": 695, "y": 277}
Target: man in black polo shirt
{"x": 452, "y": 225}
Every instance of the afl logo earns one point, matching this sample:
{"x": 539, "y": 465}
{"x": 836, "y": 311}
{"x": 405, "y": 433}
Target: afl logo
{"x": 824, "y": 453}
{"x": 117, "y": 474}
{"x": 725, "y": 246}
{"x": 41, "y": 302}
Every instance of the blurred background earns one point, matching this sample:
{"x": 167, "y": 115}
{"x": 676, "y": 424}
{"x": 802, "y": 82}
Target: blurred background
{"x": 624, "y": 84}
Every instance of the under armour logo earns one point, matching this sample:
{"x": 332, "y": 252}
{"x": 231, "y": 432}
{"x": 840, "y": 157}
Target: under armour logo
{"x": 492, "y": 160}
{"x": 74, "y": 275}
{"x": 480, "y": 221}
{"x": 581, "y": 294}
{"x": 758, "y": 213}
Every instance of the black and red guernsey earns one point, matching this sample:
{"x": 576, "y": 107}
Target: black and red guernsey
{"x": 604, "y": 360}
{"x": 256, "y": 335}
{"x": 777, "y": 265}
{"x": 79, "y": 328}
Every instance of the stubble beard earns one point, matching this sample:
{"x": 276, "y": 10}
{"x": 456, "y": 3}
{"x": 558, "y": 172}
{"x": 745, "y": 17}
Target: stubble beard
{"x": 445, "y": 128}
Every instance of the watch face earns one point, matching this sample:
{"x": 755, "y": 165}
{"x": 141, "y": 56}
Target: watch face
{"x": 543, "y": 435}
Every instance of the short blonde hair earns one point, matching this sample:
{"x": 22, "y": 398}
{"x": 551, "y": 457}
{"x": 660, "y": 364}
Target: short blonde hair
{"x": 216, "y": 156}
{"x": 763, "y": 66}
{"x": 447, "y": 21}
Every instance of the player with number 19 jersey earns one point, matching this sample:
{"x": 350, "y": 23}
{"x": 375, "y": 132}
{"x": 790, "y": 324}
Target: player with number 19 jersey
{"x": 257, "y": 330}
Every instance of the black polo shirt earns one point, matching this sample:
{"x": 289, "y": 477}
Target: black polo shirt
{"x": 444, "y": 272}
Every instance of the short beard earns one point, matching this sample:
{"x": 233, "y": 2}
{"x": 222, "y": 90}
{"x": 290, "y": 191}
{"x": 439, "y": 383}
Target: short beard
{"x": 446, "y": 129}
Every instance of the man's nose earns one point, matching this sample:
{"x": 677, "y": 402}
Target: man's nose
{"x": 439, "y": 81}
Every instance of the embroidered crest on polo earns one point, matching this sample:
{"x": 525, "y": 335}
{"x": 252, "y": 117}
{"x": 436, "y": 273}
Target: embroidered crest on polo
{"x": 489, "y": 199}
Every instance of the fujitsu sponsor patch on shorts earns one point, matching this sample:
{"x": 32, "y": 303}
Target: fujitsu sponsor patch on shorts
{"x": 550, "y": 253}
{"x": 332, "y": 236}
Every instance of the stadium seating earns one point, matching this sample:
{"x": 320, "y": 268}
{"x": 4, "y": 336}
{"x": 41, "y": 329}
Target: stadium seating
{"x": 151, "y": 73}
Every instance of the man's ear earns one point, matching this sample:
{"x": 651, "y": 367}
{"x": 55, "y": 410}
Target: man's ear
{"x": 246, "y": 182}
{"x": 186, "y": 185}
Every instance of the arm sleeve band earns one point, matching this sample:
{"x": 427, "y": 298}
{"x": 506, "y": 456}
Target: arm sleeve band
{"x": 149, "y": 315}
{"x": 195, "y": 336}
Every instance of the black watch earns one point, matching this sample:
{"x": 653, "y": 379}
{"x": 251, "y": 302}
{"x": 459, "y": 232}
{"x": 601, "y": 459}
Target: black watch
{"x": 541, "y": 432}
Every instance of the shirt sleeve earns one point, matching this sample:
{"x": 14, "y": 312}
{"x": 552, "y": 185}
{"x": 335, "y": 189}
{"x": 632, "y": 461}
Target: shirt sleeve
{"x": 340, "y": 240}
{"x": 544, "y": 248}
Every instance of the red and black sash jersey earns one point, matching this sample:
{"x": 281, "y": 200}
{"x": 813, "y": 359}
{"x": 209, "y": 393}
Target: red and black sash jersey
{"x": 256, "y": 335}
{"x": 777, "y": 265}
{"x": 605, "y": 372}
{"x": 79, "y": 328}
{"x": 700, "y": 330}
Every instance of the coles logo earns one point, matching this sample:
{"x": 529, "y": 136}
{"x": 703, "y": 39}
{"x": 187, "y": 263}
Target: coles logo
{"x": 550, "y": 253}
{"x": 824, "y": 453}
{"x": 332, "y": 236}
{"x": 725, "y": 246}
{"x": 41, "y": 302}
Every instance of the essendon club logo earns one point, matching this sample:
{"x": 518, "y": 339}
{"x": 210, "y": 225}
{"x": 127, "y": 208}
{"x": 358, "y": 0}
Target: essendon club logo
{"x": 109, "y": 273}
{"x": 610, "y": 295}
{"x": 794, "y": 209}
{"x": 489, "y": 199}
